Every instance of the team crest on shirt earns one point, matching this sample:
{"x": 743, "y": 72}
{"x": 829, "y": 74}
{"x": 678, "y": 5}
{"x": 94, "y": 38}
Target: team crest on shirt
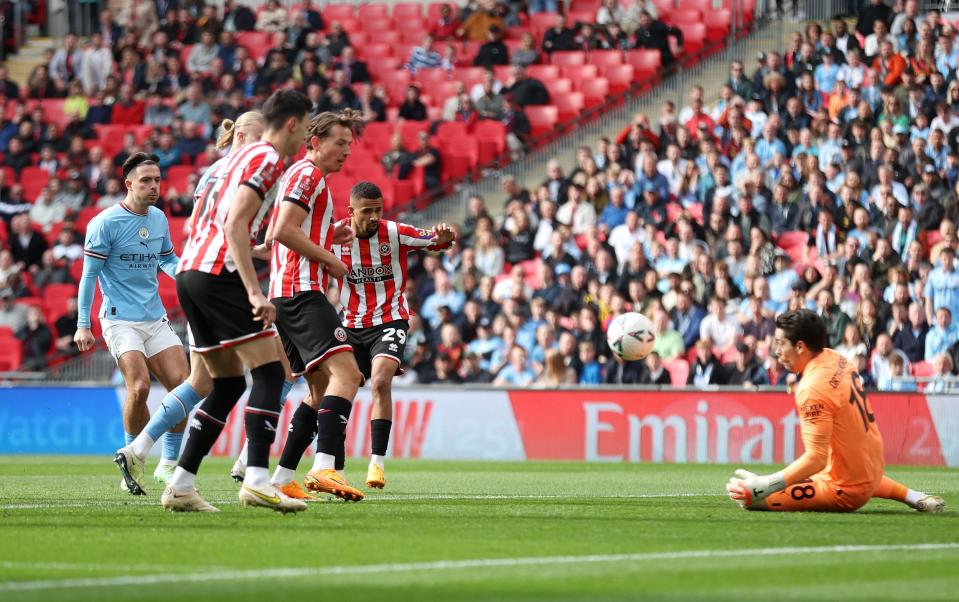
{"x": 340, "y": 334}
{"x": 144, "y": 233}
{"x": 385, "y": 249}
{"x": 304, "y": 185}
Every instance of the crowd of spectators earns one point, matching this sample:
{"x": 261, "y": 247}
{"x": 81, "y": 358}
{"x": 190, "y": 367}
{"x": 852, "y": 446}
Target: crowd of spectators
{"x": 824, "y": 175}
{"x": 162, "y": 76}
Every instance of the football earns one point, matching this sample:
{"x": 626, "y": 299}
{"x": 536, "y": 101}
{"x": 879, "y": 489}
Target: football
{"x": 631, "y": 336}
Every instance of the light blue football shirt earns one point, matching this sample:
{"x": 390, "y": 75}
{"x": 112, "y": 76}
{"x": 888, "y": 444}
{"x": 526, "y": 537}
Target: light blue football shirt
{"x": 123, "y": 251}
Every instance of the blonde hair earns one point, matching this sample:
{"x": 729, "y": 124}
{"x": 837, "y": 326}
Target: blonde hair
{"x": 229, "y": 127}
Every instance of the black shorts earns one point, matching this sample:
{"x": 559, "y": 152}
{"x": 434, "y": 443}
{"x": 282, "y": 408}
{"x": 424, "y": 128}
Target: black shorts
{"x": 384, "y": 340}
{"x": 218, "y": 310}
{"x": 310, "y": 330}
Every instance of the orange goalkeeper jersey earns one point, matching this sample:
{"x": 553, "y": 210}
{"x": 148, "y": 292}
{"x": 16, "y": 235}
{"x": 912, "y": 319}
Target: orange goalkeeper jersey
{"x": 837, "y": 422}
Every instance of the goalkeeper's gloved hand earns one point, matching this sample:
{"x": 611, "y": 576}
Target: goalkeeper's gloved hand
{"x": 746, "y": 488}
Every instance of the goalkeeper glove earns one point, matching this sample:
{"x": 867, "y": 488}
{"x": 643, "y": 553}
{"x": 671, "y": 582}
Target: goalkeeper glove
{"x": 746, "y": 488}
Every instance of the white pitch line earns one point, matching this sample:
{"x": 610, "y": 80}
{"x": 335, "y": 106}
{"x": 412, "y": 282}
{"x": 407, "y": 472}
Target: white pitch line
{"x": 399, "y": 497}
{"x": 446, "y": 565}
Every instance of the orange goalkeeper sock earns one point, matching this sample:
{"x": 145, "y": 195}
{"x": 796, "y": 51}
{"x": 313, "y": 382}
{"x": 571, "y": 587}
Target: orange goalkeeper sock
{"x": 891, "y": 490}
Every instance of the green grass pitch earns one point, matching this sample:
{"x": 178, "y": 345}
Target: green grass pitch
{"x": 466, "y": 531}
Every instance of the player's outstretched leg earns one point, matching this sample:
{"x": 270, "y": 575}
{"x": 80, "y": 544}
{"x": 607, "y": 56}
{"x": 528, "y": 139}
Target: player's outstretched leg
{"x": 262, "y": 416}
{"x": 174, "y": 409}
{"x": 922, "y": 502}
{"x": 381, "y": 421}
{"x": 210, "y": 418}
{"x": 332, "y": 418}
{"x": 301, "y": 434}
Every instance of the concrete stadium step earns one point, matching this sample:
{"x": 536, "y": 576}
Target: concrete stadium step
{"x": 30, "y": 55}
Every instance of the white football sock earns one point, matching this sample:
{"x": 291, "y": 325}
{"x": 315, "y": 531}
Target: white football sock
{"x": 378, "y": 460}
{"x": 324, "y": 462}
{"x": 142, "y": 445}
{"x": 182, "y": 480}
{"x": 165, "y": 462}
{"x": 282, "y": 476}
{"x": 257, "y": 476}
{"x": 912, "y": 497}
{"x": 242, "y": 457}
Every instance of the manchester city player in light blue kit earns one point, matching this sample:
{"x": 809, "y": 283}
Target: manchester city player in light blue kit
{"x": 125, "y": 247}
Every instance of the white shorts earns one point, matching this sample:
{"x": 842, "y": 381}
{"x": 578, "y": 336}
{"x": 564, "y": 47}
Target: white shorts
{"x": 149, "y": 338}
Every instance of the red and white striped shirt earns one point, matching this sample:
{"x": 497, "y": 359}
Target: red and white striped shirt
{"x": 373, "y": 291}
{"x": 257, "y": 166}
{"x": 291, "y": 273}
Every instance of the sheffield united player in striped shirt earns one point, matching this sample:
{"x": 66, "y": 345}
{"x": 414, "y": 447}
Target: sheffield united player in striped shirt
{"x": 228, "y": 314}
{"x": 374, "y": 300}
{"x": 315, "y": 340}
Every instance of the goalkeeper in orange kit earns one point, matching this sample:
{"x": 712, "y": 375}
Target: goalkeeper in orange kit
{"x": 842, "y": 466}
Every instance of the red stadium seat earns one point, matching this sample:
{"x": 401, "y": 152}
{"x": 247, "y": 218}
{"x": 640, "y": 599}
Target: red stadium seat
{"x": 390, "y": 37}
{"x": 168, "y": 296}
{"x": 376, "y": 136}
{"x": 694, "y": 37}
{"x": 571, "y": 57}
{"x": 542, "y": 118}
{"x": 410, "y": 130}
{"x": 585, "y": 5}
{"x": 55, "y": 297}
{"x": 451, "y": 130}
{"x": 432, "y": 75}
{"x": 411, "y": 34}
{"x": 11, "y": 354}
{"x": 543, "y": 72}
{"x": 440, "y": 91}
{"x": 384, "y": 65}
{"x": 368, "y": 12}
{"x": 558, "y": 87}
{"x": 540, "y": 22}
{"x": 792, "y": 238}
{"x": 575, "y": 72}
{"x": 581, "y": 16}
{"x": 254, "y": 38}
{"x": 605, "y": 58}
{"x": 378, "y": 25}
{"x": 337, "y": 12}
{"x": 595, "y": 90}
{"x": 178, "y": 232}
{"x": 703, "y": 6}
{"x": 491, "y": 136}
{"x": 53, "y": 111}
{"x": 683, "y": 16}
{"x": 34, "y": 180}
{"x": 407, "y": 11}
{"x": 620, "y": 77}
{"x": 922, "y": 369}
{"x": 678, "y": 369}
{"x": 646, "y": 62}
{"x": 176, "y": 178}
{"x": 717, "y": 24}
{"x": 502, "y": 72}
{"x": 570, "y": 105}
{"x": 374, "y": 52}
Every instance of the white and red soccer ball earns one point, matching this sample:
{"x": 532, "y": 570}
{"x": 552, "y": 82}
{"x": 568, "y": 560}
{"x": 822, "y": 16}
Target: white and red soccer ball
{"x": 631, "y": 336}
